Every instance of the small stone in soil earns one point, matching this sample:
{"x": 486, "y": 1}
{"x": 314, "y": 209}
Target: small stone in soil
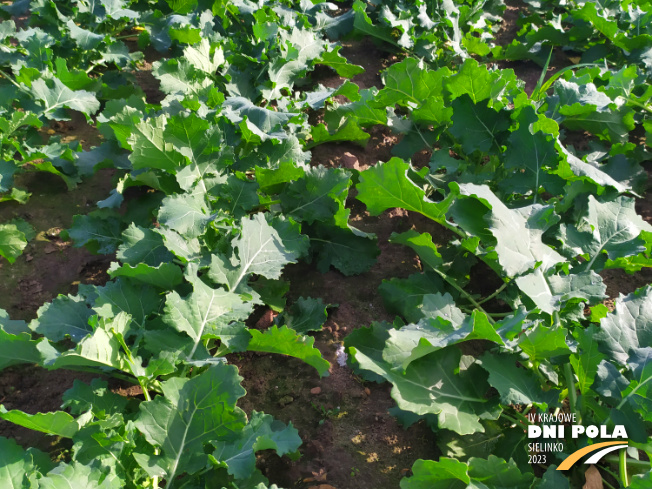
{"x": 350, "y": 161}
{"x": 315, "y": 390}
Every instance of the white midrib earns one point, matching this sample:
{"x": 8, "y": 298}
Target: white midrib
{"x": 173, "y": 472}
{"x": 200, "y": 333}
{"x": 248, "y": 264}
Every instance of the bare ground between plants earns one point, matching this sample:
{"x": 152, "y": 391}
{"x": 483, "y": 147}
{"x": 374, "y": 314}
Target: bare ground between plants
{"x": 349, "y": 439}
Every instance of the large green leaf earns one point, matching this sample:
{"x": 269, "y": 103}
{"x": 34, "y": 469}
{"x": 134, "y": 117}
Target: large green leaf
{"x": 55, "y": 96}
{"x": 433, "y": 384}
{"x": 518, "y": 233}
{"x": 12, "y": 241}
{"x": 347, "y": 249}
{"x": 387, "y": 185}
{"x": 585, "y": 362}
{"x": 478, "y": 127}
{"x": 629, "y": 326}
{"x": 288, "y": 342}
{"x": 533, "y": 151}
{"x": 207, "y": 312}
{"x": 612, "y": 227}
{"x": 187, "y": 214}
{"x": 409, "y": 83}
{"x": 497, "y": 473}
{"x": 17, "y": 349}
{"x": 263, "y": 432}
{"x": 318, "y": 196}
{"x": 190, "y": 414}
{"x": 139, "y": 301}
{"x": 65, "y": 476}
{"x": 261, "y": 250}
{"x": 307, "y": 314}
{"x": 150, "y": 147}
{"x": 65, "y": 316}
{"x": 16, "y": 465}
{"x": 57, "y": 423}
{"x": 446, "y": 473}
{"x": 516, "y": 385}
{"x": 541, "y": 343}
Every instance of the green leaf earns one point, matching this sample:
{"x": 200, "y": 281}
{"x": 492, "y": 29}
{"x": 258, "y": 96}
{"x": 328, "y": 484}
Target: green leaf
{"x": 349, "y": 251}
{"x": 553, "y": 479}
{"x": 477, "y": 127}
{"x": 201, "y": 58}
{"x": 443, "y": 324}
{"x": 387, "y": 185}
{"x": 57, "y": 96}
{"x": 150, "y": 147}
{"x": 533, "y": 151}
{"x": 516, "y": 385}
{"x": 16, "y": 464}
{"x": 405, "y": 296}
{"x": 409, "y": 83}
{"x": 572, "y": 168}
{"x": 586, "y": 363}
{"x": 187, "y": 214}
{"x": 497, "y": 473}
{"x": 190, "y": 414}
{"x": 207, "y": 312}
{"x": 612, "y": 227}
{"x": 318, "y": 196}
{"x": 261, "y": 251}
{"x": 446, "y": 473}
{"x": 57, "y": 423}
{"x": 238, "y": 195}
{"x": 65, "y": 316}
{"x": 518, "y": 233}
{"x": 85, "y": 39}
{"x": 433, "y": 384}
{"x": 362, "y": 109}
{"x": 478, "y": 82}
{"x": 12, "y": 242}
{"x": 100, "y": 349}
{"x": 165, "y": 276}
{"x": 121, "y": 295}
{"x": 263, "y": 122}
{"x": 182, "y": 7}
{"x": 75, "y": 474}
{"x": 17, "y": 349}
{"x": 12, "y": 326}
{"x": 541, "y": 343}
{"x": 422, "y": 244}
{"x": 288, "y": 342}
{"x": 349, "y": 131}
{"x": 95, "y": 397}
{"x": 638, "y": 391}
{"x": 628, "y": 327}
{"x": 142, "y": 245}
{"x": 585, "y": 108}
{"x": 263, "y": 432}
{"x": 339, "y": 63}
{"x": 98, "y": 233}
{"x": 307, "y": 315}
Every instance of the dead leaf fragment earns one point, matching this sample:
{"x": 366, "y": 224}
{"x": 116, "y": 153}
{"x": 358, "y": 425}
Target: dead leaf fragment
{"x": 593, "y": 478}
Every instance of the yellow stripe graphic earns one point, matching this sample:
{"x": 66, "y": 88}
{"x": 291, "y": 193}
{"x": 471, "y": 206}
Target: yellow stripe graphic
{"x": 575, "y": 456}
